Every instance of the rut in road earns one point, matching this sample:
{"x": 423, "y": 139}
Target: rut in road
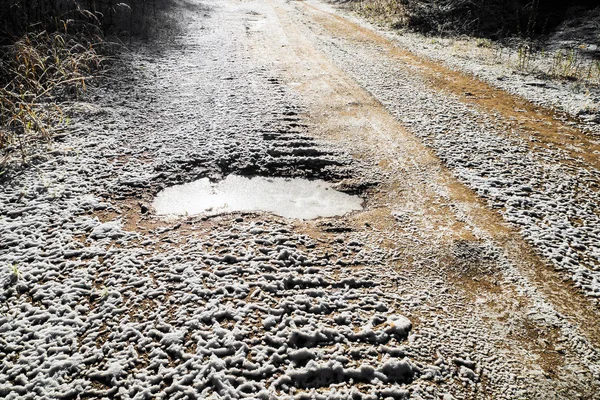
{"x": 442, "y": 287}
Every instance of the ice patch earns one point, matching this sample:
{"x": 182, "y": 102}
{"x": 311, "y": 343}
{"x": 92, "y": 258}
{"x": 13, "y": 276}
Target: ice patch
{"x": 289, "y": 198}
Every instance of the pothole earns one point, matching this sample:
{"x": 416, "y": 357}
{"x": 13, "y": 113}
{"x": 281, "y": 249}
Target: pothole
{"x": 286, "y": 197}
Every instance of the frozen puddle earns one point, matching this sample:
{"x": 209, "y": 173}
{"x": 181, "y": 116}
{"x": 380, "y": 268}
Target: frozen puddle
{"x": 290, "y": 198}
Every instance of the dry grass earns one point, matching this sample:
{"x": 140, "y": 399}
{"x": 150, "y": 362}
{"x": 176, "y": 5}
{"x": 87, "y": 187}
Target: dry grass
{"x": 50, "y": 49}
{"x": 566, "y": 64}
{"x": 388, "y": 12}
{"x": 486, "y": 18}
{"x": 41, "y": 70}
{"x": 570, "y": 64}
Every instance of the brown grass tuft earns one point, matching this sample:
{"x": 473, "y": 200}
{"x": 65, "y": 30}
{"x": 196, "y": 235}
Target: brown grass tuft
{"x": 40, "y": 71}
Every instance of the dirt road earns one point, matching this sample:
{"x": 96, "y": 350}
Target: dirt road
{"x": 471, "y": 273}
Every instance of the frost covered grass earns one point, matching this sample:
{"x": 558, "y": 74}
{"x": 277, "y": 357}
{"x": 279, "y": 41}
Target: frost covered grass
{"x": 389, "y": 12}
{"x": 50, "y": 50}
{"x": 40, "y": 71}
{"x": 571, "y": 63}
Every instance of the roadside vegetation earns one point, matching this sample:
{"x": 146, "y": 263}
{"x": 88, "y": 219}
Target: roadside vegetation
{"x": 485, "y": 18}
{"x": 554, "y": 39}
{"x": 50, "y": 50}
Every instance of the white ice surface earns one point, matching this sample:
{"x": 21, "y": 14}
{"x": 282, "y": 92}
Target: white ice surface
{"x": 290, "y": 198}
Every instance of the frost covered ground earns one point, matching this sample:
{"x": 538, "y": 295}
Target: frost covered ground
{"x": 540, "y": 72}
{"x": 549, "y": 191}
{"x": 426, "y": 294}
